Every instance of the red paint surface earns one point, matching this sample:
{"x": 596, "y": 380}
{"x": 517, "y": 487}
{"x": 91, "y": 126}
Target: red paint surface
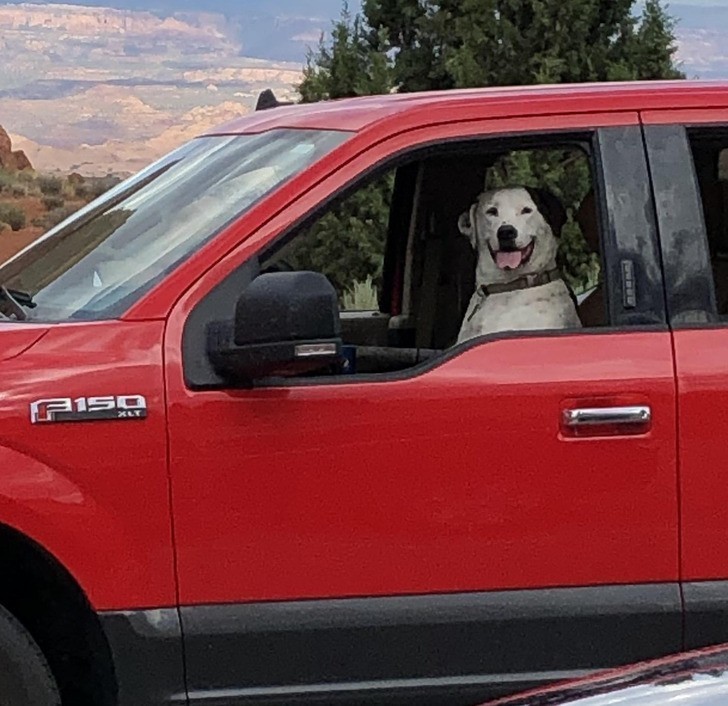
{"x": 95, "y": 495}
{"x": 702, "y": 368}
{"x": 455, "y": 480}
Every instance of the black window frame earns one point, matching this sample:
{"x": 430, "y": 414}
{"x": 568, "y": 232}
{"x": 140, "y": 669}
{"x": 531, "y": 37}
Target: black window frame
{"x": 684, "y": 244}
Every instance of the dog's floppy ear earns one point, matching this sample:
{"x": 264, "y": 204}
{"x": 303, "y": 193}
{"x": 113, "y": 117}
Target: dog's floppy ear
{"x": 466, "y": 224}
{"x": 551, "y": 209}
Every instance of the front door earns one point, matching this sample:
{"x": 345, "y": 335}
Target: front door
{"x": 466, "y": 527}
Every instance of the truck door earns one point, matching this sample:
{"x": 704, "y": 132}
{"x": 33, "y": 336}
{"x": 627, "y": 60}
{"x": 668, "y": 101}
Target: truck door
{"x": 502, "y": 515}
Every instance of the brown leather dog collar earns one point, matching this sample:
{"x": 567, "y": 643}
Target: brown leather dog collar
{"x": 525, "y": 282}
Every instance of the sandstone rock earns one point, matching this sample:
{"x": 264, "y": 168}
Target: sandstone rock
{"x": 21, "y": 161}
{"x": 12, "y": 160}
{"x": 5, "y": 145}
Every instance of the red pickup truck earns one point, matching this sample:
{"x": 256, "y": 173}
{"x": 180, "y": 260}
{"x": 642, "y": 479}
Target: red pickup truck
{"x": 245, "y": 460}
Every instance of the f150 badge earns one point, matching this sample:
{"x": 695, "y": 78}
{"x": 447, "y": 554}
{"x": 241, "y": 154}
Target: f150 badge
{"x": 86, "y": 409}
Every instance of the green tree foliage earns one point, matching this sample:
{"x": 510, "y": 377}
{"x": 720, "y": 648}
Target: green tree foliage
{"x": 347, "y": 243}
{"x": 442, "y": 44}
{"x": 353, "y": 64}
{"x": 654, "y": 48}
{"x": 445, "y": 44}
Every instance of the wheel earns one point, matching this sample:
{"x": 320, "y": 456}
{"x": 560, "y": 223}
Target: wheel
{"x": 25, "y": 678}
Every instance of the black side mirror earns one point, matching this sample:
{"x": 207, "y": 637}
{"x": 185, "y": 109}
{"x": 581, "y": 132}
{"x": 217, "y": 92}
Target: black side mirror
{"x": 286, "y": 324}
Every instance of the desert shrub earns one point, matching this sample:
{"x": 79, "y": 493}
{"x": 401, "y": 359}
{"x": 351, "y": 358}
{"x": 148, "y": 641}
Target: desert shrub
{"x": 93, "y": 187}
{"x": 12, "y": 215}
{"x": 361, "y": 296}
{"x": 100, "y": 185}
{"x": 19, "y": 191}
{"x": 54, "y": 217}
{"x": 85, "y": 192}
{"x": 53, "y": 202}
{"x": 50, "y": 185}
{"x": 6, "y": 181}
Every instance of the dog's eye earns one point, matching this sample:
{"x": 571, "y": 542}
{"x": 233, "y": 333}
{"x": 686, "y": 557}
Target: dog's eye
{"x": 492, "y": 211}
{"x": 526, "y": 210}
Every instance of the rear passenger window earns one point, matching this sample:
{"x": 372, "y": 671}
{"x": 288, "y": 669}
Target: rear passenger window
{"x": 420, "y": 252}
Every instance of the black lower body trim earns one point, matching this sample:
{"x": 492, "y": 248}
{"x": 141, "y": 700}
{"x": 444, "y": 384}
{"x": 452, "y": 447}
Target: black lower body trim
{"x": 706, "y": 613}
{"x": 447, "y": 649}
{"x": 147, "y": 650}
{"x": 467, "y": 689}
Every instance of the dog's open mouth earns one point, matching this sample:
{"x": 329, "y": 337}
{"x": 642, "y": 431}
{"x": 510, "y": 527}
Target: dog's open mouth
{"x": 512, "y": 259}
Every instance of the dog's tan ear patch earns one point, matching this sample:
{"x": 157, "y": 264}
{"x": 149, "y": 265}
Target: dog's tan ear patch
{"x": 466, "y": 224}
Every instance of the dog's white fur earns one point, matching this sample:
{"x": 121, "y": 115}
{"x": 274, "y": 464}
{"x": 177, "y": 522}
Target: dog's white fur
{"x": 548, "y": 306}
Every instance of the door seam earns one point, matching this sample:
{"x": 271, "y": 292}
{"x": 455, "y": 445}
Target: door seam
{"x": 676, "y": 390}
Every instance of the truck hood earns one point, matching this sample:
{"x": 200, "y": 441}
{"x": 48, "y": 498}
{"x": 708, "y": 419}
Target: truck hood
{"x": 17, "y": 338}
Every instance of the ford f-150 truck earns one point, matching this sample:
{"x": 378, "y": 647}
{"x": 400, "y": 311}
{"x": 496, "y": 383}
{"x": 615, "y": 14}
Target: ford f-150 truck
{"x": 244, "y": 460}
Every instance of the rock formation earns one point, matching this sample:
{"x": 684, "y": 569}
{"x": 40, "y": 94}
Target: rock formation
{"x": 11, "y": 160}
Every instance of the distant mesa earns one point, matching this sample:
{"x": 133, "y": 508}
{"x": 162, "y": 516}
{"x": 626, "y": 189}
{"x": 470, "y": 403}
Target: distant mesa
{"x": 12, "y": 160}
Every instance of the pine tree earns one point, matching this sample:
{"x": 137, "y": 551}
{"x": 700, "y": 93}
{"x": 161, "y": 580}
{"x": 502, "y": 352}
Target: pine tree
{"x": 655, "y": 47}
{"x": 353, "y": 64}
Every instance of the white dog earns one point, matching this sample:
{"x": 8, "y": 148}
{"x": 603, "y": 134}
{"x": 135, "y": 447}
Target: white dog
{"x": 518, "y": 285}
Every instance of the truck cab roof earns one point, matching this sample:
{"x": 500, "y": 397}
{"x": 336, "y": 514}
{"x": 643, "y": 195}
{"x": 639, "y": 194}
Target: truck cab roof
{"x": 362, "y": 113}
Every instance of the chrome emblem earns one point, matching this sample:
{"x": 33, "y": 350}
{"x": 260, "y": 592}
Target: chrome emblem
{"x": 86, "y": 409}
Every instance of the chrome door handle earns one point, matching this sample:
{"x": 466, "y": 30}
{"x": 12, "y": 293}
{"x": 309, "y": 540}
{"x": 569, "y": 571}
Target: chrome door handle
{"x": 591, "y": 416}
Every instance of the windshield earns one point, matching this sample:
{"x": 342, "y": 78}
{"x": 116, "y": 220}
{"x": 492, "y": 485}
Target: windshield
{"x": 97, "y": 262}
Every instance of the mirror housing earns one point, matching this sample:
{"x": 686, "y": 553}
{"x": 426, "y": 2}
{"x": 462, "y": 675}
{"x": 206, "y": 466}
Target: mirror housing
{"x": 286, "y": 324}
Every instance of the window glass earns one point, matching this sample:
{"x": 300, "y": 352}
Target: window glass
{"x": 407, "y": 269}
{"x": 347, "y": 245}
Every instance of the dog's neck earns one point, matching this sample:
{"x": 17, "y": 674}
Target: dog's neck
{"x": 528, "y": 281}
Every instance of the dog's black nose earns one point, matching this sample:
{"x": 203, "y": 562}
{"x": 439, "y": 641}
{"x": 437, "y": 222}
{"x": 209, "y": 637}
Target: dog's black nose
{"x": 507, "y": 234}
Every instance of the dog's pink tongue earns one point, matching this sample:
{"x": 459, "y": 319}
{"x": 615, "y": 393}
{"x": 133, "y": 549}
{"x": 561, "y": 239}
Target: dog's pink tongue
{"x": 508, "y": 260}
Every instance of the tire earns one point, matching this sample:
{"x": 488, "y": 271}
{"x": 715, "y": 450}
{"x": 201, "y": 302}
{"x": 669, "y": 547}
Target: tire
{"x": 25, "y": 677}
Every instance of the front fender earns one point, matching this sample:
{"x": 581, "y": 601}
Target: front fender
{"x": 94, "y": 493}
{"x": 65, "y": 519}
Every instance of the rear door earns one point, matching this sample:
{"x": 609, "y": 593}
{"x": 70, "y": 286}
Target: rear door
{"x": 444, "y": 530}
{"x": 684, "y": 149}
